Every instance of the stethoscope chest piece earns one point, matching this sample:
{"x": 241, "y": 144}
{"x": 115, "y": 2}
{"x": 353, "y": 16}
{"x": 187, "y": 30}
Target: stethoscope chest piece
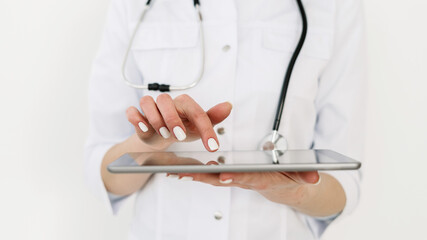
{"x": 274, "y": 141}
{"x": 274, "y": 145}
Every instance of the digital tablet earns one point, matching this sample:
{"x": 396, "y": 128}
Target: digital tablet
{"x": 232, "y": 161}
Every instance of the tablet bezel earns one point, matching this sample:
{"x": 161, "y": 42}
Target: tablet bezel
{"x": 343, "y": 163}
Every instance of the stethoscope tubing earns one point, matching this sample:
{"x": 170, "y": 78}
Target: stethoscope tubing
{"x": 290, "y": 68}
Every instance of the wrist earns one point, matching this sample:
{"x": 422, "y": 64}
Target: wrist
{"x": 324, "y": 199}
{"x": 307, "y": 197}
{"x": 302, "y": 195}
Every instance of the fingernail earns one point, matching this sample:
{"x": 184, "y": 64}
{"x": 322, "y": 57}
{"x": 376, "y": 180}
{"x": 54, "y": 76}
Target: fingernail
{"x": 213, "y": 145}
{"x": 318, "y": 181}
{"x": 227, "y": 181}
{"x": 186, "y": 178}
{"x": 164, "y": 132}
{"x": 143, "y": 127}
{"x": 174, "y": 176}
{"x": 179, "y": 133}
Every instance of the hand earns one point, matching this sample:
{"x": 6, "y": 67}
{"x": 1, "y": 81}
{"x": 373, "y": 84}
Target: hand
{"x": 181, "y": 116}
{"x": 289, "y": 188}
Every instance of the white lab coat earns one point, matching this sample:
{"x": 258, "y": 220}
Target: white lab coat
{"x": 248, "y": 45}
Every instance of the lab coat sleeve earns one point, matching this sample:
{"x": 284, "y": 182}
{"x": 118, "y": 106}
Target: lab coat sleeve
{"x": 340, "y": 102}
{"x": 109, "y": 98}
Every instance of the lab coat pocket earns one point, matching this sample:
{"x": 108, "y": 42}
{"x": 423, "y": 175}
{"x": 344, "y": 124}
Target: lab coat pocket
{"x": 318, "y": 43}
{"x": 168, "y": 53}
{"x": 314, "y": 56}
{"x": 166, "y": 36}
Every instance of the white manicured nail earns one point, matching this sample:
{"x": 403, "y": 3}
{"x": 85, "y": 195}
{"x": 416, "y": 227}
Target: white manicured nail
{"x": 174, "y": 176}
{"x": 164, "y": 132}
{"x": 143, "y": 127}
{"x": 318, "y": 181}
{"x": 179, "y": 133}
{"x": 186, "y": 178}
{"x": 227, "y": 181}
{"x": 213, "y": 145}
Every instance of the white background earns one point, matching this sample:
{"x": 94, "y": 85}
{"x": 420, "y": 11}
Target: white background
{"x": 46, "y": 50}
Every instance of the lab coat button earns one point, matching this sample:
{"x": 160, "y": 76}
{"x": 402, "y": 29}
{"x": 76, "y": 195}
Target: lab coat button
{"x": 220, "y": 130}
{"x": 218, "y": 215}
{"x": 226, "y": 48}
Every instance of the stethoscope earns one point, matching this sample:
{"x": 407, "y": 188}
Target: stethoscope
{"x": 274, "y": 140}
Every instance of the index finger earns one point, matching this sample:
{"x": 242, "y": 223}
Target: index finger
{"x": 187, "y": 106}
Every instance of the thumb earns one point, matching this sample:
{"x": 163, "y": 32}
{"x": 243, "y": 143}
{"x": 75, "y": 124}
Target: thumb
{"x": 219, "y": 112}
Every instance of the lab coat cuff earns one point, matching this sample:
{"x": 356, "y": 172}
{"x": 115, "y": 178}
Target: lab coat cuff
{"x": 318, "y": 225}
{"x": 93, "y": 175}
{"x": 116, "y": 201}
